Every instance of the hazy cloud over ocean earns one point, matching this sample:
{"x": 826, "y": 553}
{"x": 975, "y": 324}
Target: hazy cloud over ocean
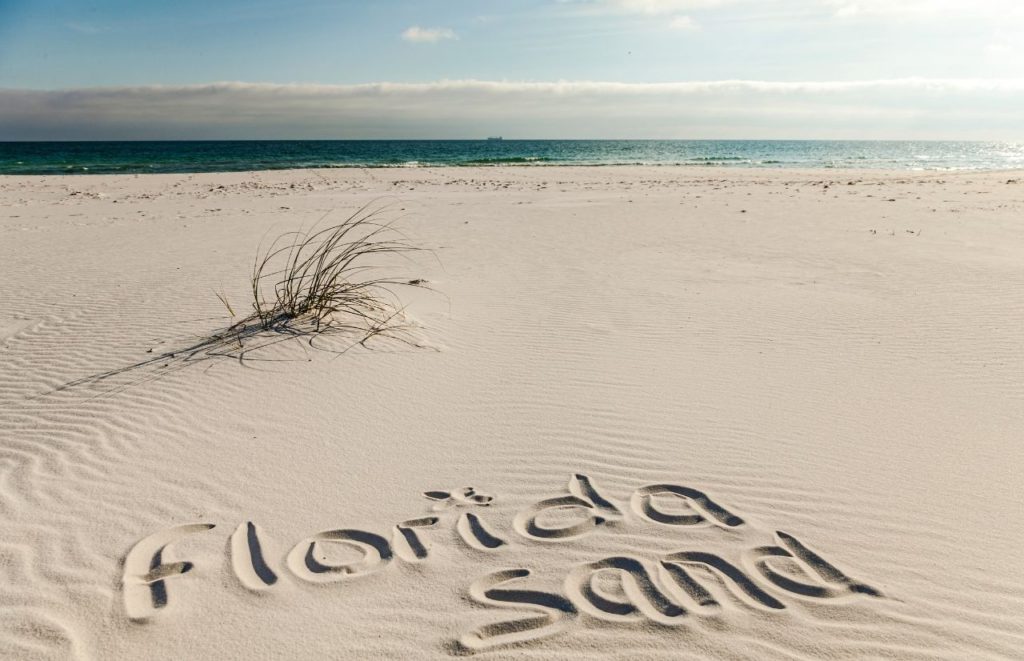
{"x": 906, "y": 108}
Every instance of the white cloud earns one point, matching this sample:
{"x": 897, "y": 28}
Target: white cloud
{"x": 419, "y": 35}
{"x": 899, "y": 108}
{"x": 683, "y": 23}
{"x": 940, "y": 9}
{"x": 671, "y": 10}
{"x": 949, "y": 10}
{"x": 657, "y": 7}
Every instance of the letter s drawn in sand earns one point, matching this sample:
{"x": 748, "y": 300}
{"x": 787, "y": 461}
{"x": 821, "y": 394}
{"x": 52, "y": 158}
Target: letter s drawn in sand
{"x": 553, "y": 612}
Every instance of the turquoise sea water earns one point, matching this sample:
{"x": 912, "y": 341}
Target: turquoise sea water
{"x": 227, "y": 156}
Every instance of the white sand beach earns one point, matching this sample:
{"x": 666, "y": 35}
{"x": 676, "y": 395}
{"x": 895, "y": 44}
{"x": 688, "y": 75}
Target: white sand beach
{"x": 658, "y": 413}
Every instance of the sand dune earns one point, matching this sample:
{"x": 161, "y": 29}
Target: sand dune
{"x": 650, "y": 413}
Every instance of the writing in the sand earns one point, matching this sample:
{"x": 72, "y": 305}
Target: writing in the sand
{"x": 668, "y": 589}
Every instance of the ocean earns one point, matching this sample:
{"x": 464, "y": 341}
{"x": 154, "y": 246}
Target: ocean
{"x": 229, "y": 156}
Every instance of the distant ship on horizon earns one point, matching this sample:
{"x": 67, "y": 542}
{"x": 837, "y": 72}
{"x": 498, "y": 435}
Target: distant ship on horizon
{"x": 495, "y": 138}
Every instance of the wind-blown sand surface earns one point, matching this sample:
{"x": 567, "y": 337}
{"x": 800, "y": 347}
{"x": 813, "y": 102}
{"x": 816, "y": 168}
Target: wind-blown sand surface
{"x": 828, "y": 366}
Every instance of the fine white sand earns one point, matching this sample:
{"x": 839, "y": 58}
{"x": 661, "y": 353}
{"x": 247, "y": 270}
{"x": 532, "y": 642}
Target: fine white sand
{"x": 823, "y": 371}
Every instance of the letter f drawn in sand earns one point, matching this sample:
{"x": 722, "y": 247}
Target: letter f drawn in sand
{"x": 146, "y": 571}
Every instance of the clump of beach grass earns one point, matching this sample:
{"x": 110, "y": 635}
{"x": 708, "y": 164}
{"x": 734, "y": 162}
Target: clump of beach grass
{"x": 321, "y": 280}
{"x": 307, "y": 284}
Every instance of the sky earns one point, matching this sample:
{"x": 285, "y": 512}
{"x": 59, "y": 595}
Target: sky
{"x": 188, "y": 69}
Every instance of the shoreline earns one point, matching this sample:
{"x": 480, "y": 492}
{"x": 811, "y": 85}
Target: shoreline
{"x": 684, "y": 169}
{"x": 513, "y": 166}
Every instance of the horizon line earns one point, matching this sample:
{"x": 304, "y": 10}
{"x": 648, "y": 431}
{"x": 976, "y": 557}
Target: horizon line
{"x": 504, "y": 139}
